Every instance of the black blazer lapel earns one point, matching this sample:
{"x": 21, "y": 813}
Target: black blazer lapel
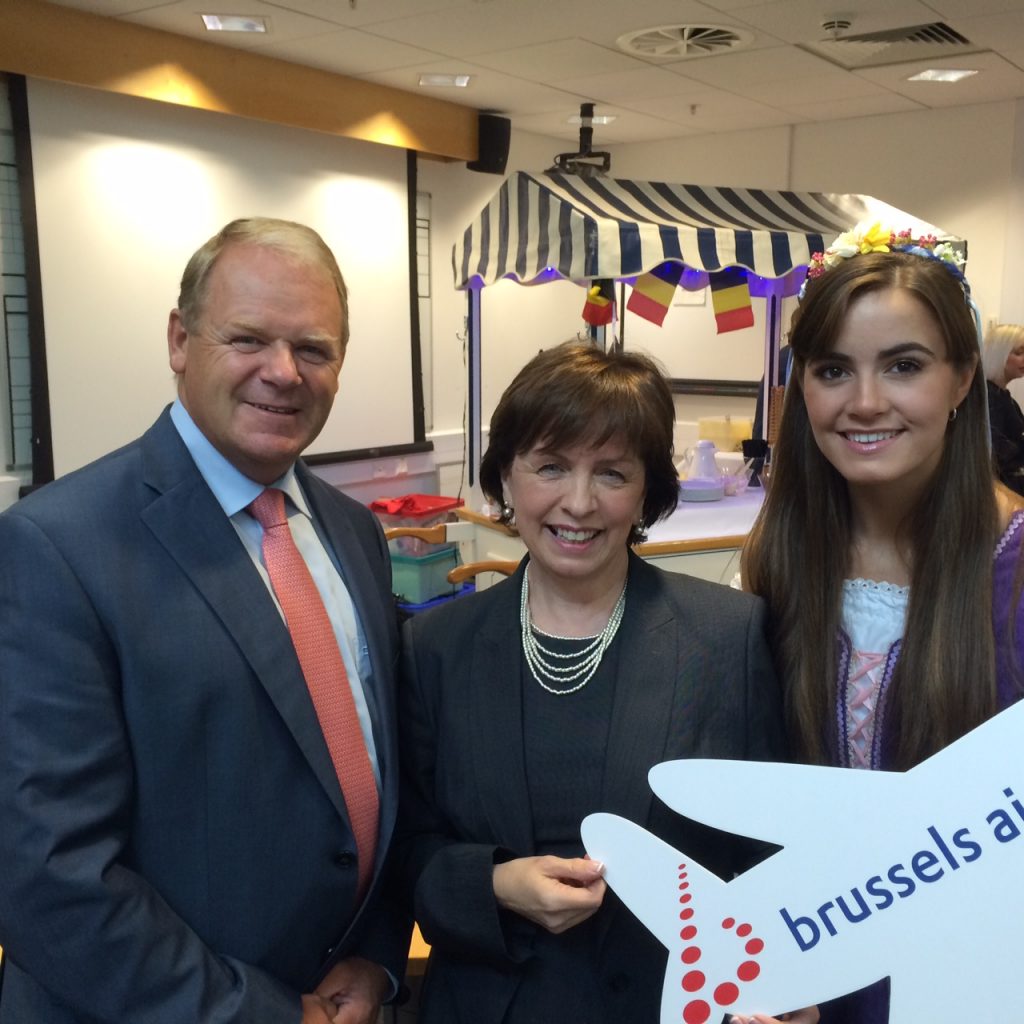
{"x": 644, "y": 694}
{"x": 495, "y": 692}
{"x": 187, "y": 521}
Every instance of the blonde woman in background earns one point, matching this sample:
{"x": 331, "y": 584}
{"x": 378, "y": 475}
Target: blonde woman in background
{"x": 1003, "y": 361}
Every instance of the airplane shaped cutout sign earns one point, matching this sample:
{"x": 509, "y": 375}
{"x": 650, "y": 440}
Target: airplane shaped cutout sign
{"x": 918, "y": 876}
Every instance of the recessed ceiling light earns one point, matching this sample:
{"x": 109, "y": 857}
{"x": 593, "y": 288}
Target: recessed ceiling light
{"x": 446, "y": 81}
{"x": 596, "y": 119}
{"x": 233, "y": 23}
{"x": 941, "y": 75}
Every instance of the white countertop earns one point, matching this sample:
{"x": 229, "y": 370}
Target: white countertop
{"x": 696, "y": 520}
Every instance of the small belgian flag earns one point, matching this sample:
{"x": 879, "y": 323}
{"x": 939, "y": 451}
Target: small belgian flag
{"x": 653, "y": 292}
{"x": 730, "y": 297}
{"x": 599, "y": 308}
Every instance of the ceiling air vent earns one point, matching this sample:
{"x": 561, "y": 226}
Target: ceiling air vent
{"x": 674, "y": 42}
{"x": 893, "y": 46}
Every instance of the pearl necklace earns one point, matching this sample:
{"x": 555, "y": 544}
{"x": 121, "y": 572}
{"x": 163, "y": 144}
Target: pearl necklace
{"x": 582, "y": 664}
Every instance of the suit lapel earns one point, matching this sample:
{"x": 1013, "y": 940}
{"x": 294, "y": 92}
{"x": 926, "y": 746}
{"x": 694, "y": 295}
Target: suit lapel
{"x": 496, "y": 709}
{"x": 644, "y": 695}
{"x": 186, "y": 519}
{"x": 645, "y": 692}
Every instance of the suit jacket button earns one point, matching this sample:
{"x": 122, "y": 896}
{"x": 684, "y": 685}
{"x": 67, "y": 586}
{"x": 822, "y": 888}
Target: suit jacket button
{"x": 618, "y": 982}
{"x": 345, "y": 859}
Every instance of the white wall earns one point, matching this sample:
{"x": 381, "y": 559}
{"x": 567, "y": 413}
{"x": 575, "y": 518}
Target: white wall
{"x": 126, "y": 189}
{"x": 517, "y": 321}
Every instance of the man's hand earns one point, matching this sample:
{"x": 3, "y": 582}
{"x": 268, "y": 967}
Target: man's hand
{"x": 317, "y": 1010}
{"x": 557, "y": 893}
{"x": 353, "y": 991}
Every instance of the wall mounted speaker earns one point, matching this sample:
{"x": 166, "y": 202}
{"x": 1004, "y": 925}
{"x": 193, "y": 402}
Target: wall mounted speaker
{"x": 492, "y": 151}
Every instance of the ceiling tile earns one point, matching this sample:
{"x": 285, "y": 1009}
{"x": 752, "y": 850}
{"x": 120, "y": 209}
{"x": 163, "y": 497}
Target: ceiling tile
{"x": 183, "y": 18}
{"x": 753, "y": 67}
{"x": 629, "y": 85}
{"x": 736, "y": 6}
{"x": 795, "y": 91}
{"x": 558, "y": 60}
{"x": 717, "y": 112}
{"x": 958, "y": 8}
{"x": 628, "y": 127}
{"x": 997, "y": 80}
{"x": 997, "y": 32}
{"x": 112, "y": 8}
{"x": 350, "y": 52}
{"x": 858, "y": 106}
{"x": 480, "y": 27}
{"x": 370, "y": 12}
{"x": 487, "y": 90}
{"x": 536, "y": 61}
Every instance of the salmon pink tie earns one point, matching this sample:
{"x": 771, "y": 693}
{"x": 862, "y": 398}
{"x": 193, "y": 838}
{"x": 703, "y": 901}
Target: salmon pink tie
{"x": 322, "y": 665}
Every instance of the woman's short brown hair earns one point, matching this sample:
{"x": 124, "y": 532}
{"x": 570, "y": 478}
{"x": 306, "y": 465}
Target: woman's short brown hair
{"x": 576, "y": 393}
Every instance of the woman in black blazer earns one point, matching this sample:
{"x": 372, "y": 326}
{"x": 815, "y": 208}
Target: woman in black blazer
{"x": 550, "y": 695}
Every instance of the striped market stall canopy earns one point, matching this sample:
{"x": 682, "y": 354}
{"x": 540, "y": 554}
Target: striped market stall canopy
{"x": 543, "y": 227}
{"x": 540, "y": 226}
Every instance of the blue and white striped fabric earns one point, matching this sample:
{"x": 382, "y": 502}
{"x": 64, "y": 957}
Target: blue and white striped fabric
{"x": 542, "y": 225}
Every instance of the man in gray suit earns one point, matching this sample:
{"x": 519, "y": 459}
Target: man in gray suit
{"x": 176, "y": 843}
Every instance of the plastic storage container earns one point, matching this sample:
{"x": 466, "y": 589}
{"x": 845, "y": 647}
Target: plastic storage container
{"x": 415, "y": 510}
{"x": 415, "y": 609}
{"x": 417, "y": 579}
{"x": 728, "y": 432}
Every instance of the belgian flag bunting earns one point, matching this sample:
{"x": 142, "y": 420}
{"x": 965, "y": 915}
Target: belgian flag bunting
{"x": 652, "y": 294}
{"x": 730, "y": 297}
{"x": 599, "y": 308}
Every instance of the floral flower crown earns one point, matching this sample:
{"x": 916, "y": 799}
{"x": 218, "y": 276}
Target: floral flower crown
{"x": 875, "y": 238}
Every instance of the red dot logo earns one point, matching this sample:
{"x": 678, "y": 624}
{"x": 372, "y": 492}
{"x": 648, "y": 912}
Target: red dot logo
{"x": 693, "y": 981}
{"x": 748, "y": 971}
{"x": 724, "y": 992}
{"x": 696, "y": 1012}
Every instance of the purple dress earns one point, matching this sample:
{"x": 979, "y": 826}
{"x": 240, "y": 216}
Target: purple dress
{"x": 871, "y": 1005}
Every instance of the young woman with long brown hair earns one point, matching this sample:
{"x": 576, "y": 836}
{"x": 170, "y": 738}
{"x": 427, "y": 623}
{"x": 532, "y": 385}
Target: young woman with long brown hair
{"x": 886, "y": 552}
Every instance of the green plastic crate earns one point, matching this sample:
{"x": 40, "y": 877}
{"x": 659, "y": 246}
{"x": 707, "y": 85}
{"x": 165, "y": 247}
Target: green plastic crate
{"x": 418, "y": 579}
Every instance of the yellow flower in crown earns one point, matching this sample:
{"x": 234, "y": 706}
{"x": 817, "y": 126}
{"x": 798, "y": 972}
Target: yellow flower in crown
{"x": 861, "y": 240}
{"x": 857, "y": 241}
{"x": 875, "y": 239}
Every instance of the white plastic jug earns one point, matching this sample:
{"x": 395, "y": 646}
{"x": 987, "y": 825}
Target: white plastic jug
{"x": 698, "y": 462}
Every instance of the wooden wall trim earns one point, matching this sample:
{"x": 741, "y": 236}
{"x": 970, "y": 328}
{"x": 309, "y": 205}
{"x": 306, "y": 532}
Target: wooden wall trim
{"x": 63, "y": 44}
